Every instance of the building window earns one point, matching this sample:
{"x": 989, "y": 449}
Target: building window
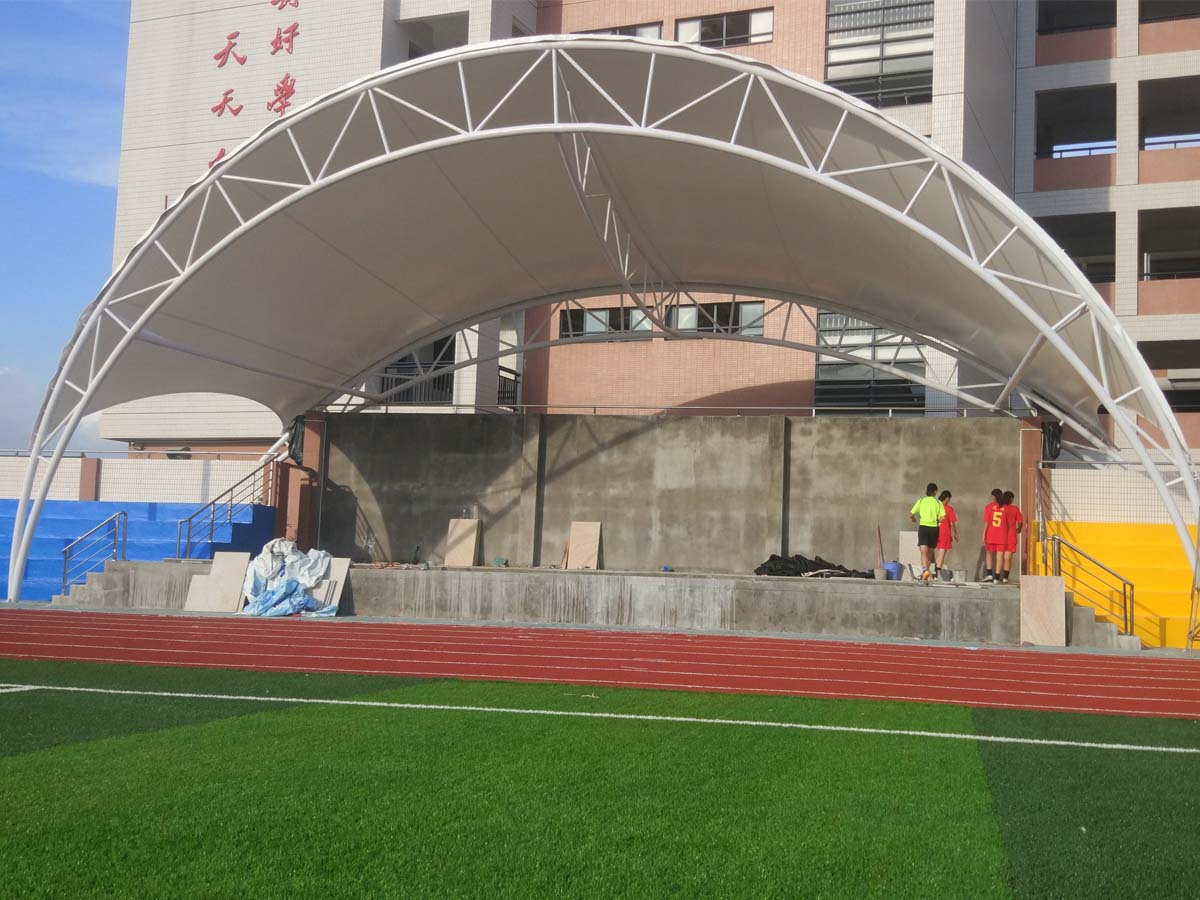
{"x": 852, "y": 386}
{"x": 649, "y": 30}
{"x": 434, "y": 357}
{"x": 1059, "y": 16}
{"x": 880, "y": 51}
{"x": 719, "y": 318}
{"x": 728, "y": 29}
{"x": 615, "y": 319}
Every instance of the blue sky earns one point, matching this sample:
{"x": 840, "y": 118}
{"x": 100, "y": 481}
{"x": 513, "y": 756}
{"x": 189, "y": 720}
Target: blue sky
{"x": 62, "y": 78}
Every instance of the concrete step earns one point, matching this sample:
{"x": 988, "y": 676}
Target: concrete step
{"x": 1087, "y": 629}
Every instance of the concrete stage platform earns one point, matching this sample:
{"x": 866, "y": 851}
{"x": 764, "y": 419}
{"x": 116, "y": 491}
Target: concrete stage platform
{"x": 657, "y": 601}
{"x": 660, "y": 601}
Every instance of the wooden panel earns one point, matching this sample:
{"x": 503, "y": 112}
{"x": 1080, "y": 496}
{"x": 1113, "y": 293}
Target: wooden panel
{"x": 221, "y": 589}
{"x": 1043, "y": 611}
{"x": 462, "y": 542}
{"x": 329, "y": 591}
{"x": 583, "y": 547}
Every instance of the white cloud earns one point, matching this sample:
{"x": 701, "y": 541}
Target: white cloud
{"x": 64, "y": 97}
{"x": 22, "y": 397}
{"x": 34, "y": 60}
{"x": 74, "y": 141}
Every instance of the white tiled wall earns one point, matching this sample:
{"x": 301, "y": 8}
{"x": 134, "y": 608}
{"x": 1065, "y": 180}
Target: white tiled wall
{"x": 64, "y": 487}
{"x": 1108, "y": 495}
{"x": 170, "y": 133}
{"x": 170, "y": 480}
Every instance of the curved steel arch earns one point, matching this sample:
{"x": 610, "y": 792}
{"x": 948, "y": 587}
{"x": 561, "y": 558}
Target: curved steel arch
{"x": 951, "y": 259}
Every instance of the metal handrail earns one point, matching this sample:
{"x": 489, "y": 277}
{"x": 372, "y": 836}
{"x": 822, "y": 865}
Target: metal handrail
{"x": 120, "y": 534}
{"x": 1194, "y": 617}
{"x": 258, "y": 485}
{"x": 1127, "y": 587}
{"x": 1106, "y": 148}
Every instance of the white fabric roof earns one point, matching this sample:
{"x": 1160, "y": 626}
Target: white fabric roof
{"x": 434, "y": 195}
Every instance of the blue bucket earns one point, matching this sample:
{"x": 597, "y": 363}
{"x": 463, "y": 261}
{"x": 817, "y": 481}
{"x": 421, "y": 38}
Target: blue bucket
{"x": 893, "y": 570}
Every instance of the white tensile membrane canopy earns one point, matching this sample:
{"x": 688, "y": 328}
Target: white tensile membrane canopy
{"x": 441, "y": 193}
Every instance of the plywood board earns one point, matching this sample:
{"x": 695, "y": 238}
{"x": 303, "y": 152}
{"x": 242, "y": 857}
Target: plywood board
{"x": 1043, "y": 610}
{"x": 583, "y": 548}
{"x": 909, "y": 553}
{"x": 221, "y": 589}
{"x": 329, "y": 591}
{"x": 462, "y": 542}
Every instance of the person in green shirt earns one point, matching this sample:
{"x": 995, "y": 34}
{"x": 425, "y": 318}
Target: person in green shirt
{"x": 928, "y": 513}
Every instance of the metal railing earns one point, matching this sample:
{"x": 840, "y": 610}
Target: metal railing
{"x": 1194, "y": 617}
{"x": 1171, "y": 142}
{"x": 508, "y": 387}
{"x": 1106, "y": 148}
{"x": 437, "y": 391}
{"x": 260, "y": 487}
{"x": 92, "y": 549}
{"x": 1091, "y": 581}
{"x": 1166, "y": 276}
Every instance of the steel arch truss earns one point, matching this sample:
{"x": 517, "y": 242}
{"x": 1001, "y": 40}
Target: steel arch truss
{"x": 585, "y": 93}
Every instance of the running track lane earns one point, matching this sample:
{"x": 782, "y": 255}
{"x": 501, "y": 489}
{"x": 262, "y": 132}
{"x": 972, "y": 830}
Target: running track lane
{"x": 1011, "y": 679}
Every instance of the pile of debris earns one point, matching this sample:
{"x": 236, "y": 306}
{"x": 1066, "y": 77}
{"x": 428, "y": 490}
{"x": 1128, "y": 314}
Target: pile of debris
{"x": 799, "y": 565}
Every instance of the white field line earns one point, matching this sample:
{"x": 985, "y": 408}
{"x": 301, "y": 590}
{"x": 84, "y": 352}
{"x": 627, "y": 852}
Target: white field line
{"x": 627, "y": 683}
{"x": 738, "y": 677}
{"x": 625, "y": 717}
{"x": 16, "y": 689}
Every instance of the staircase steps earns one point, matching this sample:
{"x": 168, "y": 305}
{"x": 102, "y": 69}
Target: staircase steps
{"x": 151, "y": 537}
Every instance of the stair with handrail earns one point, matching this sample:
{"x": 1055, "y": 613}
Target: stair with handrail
{"x": 239, "y": 518}
{"x": 89, "y": 551}
{"x": 1091, "y": 583}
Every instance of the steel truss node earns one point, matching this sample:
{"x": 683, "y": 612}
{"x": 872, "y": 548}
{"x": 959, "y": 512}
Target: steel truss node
{"x": 817, "y": 200}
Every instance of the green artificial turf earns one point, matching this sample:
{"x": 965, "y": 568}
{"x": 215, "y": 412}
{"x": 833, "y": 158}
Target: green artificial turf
{"x": 107, "y": 795}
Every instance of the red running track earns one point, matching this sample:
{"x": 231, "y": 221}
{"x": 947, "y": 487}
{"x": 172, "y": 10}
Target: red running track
{"x": 1011, "y": 679}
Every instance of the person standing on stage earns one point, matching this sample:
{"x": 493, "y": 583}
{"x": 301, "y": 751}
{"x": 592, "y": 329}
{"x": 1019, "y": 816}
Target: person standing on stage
{"x": 947, "y": 530}
{"x": 1014, "y": 522}
{"x": 928, "y": 513}
{"x": 995, "y": 535}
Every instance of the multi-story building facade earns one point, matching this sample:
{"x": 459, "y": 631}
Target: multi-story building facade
{"x": 1081, "y": 109}
{"x": 1108, "y": 161}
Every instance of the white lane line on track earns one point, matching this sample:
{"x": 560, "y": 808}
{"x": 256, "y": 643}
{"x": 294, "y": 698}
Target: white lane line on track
{"x": 206, "y": 656}
{"x": 626, "y": 683}
{"x": 782, "y": 665}
{"x": 690, "y": 642}
{"x": 808, "y": 652}
{"x": 628, "y": 717}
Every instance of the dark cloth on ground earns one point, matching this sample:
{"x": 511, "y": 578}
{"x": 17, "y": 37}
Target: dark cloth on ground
{"x": 799, "y": 565}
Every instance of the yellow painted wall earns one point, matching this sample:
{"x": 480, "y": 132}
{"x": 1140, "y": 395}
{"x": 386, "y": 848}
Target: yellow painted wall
{"x": 1148, "y": 555}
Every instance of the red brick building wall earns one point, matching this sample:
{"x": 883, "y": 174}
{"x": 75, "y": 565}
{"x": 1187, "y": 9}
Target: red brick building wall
{"x": 659, "y": 374}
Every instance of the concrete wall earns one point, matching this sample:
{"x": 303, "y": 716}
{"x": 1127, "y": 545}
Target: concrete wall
{"x": 848, "y": 475}
{"x": 698, "y": 494}
{"x": 394, "y": 482}
{"x": 690, "y": 603}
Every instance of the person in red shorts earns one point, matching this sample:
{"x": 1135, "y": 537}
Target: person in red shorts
{"x": 947, "y": 530}
{"x": 995, "y": 535}
{"x": 1014, "y": 521}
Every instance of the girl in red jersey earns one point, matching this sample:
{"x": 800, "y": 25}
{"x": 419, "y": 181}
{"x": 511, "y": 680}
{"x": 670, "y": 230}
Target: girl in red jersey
{"x": 947, "y": 530}
{"x": 995, "y": 535}
{"x": 1014, "y": 522}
